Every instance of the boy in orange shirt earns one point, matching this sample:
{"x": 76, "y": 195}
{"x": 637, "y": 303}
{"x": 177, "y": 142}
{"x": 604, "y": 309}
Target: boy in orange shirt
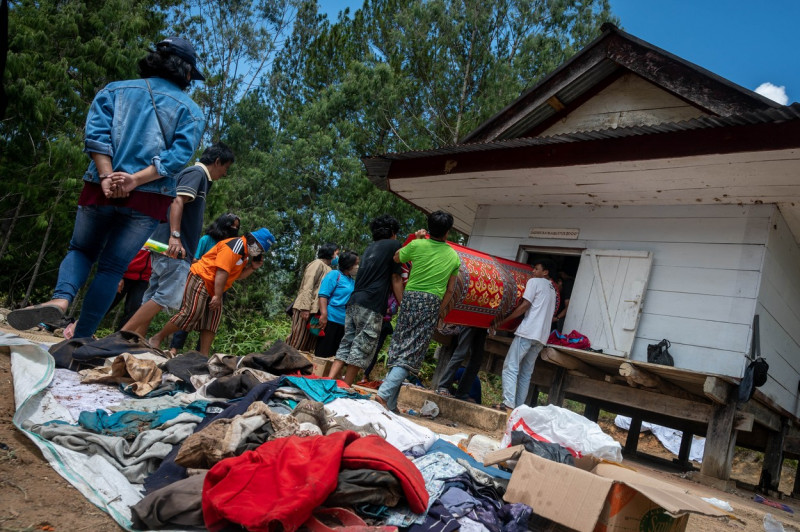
{"x": 201, "y": 308}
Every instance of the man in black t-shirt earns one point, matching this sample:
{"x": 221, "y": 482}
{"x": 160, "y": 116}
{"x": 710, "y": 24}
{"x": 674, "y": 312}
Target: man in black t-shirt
{"x": 364, "y": 316}
{"x": 181, "y": 232}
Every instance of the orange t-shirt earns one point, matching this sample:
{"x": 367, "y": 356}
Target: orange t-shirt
{"x": 229, "y": 255}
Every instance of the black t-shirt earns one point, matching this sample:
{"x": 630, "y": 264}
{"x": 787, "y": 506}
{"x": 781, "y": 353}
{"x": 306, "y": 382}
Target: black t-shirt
{"x": 192, "y": 183}
{"x": 374, "y": 278}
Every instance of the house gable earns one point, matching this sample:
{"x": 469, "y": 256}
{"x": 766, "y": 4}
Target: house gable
{"x": 628, "y": 101}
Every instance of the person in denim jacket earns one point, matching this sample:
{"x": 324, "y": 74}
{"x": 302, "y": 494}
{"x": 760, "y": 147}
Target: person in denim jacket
{"x": 135, "y": 153}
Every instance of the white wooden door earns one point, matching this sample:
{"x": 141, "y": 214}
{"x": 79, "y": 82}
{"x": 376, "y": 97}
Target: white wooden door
{"x": 607, "y": 298}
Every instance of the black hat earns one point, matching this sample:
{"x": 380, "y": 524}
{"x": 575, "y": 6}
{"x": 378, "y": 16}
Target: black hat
{"x": 183, "y": 49}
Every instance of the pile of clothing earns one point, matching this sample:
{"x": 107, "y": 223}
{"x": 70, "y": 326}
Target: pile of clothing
{"x": 255, "y": 442}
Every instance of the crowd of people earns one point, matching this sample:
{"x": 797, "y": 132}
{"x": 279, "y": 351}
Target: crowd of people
{"x": 140, "y": 136}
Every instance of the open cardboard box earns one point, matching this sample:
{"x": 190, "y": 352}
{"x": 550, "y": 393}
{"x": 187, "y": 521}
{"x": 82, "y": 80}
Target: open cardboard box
{"x": 606, "y": 498}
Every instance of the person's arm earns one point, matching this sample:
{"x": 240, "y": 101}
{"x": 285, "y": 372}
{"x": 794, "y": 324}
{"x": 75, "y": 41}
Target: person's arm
{"x": 175, "y": 249}
{"x": 251, "y": 267}
{"x": 305, "y": 294}
{"x": 124, "y": 183}
{"x": 397, "y": 287}
{"x": 448, "y": 294}
{"x": 323, "y": 311}
{"x": 220, "y": 279}
{"x": 519, "y": 311}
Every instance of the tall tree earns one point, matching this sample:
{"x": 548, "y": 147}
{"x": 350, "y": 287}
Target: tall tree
{"x": 237, "y": 41}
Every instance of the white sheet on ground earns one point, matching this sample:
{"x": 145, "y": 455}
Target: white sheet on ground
{"x": 400, "y": 432}
{"x": 669, "y": 438}
{"x": 32, "y": 370}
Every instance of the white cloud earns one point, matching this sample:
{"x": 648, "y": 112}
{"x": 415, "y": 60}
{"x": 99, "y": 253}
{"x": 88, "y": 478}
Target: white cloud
{"x": 773, "y": 92}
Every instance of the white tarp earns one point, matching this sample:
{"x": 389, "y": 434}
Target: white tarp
{"x": 32, "y": 369}
{"x": 669, "y": 438}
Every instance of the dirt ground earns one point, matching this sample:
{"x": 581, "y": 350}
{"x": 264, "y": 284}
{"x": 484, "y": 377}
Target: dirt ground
{"x": 34, "y": 497}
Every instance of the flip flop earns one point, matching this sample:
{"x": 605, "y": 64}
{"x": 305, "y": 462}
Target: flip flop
{"x": 26, "y": 318}
{"x": 502, "y": 407}
{"x": 444, "y": 392}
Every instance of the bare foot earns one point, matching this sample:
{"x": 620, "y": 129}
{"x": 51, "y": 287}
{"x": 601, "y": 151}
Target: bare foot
{"x": 381, "y": 401}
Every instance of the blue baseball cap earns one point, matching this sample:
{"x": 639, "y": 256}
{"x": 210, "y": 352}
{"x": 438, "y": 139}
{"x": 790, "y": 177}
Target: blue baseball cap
{"x": 264, "y": 238}
{"x": 183, "y": 49}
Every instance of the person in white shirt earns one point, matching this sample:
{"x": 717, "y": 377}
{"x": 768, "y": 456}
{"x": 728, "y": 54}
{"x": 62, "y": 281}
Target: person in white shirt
{"x": 538, "y": 304}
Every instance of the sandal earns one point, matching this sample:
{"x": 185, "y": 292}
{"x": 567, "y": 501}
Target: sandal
{"x": 26, "y": 318}
{"x": 444, "y": 392}
{"x": 502, "y": 407}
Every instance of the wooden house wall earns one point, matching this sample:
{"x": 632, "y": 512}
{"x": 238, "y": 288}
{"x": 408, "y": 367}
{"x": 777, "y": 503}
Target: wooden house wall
{"x": 778, "y": 308}
{"x": 705, "y": 278}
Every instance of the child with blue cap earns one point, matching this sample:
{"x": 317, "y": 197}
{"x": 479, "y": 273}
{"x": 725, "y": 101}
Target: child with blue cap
{"x": 201, "y": 309}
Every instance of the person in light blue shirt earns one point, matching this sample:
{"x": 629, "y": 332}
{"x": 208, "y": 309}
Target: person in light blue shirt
{"x": 139, "y": 135}
{"x": 334, "y": 293}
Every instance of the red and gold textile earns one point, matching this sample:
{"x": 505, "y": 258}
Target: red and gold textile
{"x": 486, "y": 287}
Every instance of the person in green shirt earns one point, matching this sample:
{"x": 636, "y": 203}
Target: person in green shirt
{"x": 434, "y": 267}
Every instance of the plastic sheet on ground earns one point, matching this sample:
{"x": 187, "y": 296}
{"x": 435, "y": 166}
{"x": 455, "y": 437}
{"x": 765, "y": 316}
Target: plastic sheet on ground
{"x": 669, "y": 438}
{"x": 558, "y": 425}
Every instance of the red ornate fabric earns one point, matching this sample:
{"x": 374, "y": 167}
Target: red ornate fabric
{"x": 486, "y": 287}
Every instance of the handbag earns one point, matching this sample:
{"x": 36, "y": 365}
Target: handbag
{"x": 659, "y": 353}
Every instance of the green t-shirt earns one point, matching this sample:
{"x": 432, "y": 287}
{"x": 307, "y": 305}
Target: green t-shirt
{"x": 432, "y": 265}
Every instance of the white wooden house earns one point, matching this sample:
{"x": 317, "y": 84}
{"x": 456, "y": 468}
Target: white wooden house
{"x": 679, "y": 189}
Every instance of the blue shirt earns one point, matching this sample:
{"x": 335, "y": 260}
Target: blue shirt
{"x": 336, "y": 287}
{"x": 122, "y": 124}
{"x": 206, "y": 243}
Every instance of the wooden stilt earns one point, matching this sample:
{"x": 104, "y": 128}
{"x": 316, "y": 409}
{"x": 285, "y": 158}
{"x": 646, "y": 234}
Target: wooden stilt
{"x": 557, "y": 388}
{"x": 592, "y": 411}
{"x": 773, "y": 460}
{"x": 720, "y": 443}
{"x": 632, "y": 442}
{"x": 685, "y": 449}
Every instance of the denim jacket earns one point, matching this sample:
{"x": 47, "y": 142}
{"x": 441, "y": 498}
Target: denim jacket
{"x": 123, "y": 125}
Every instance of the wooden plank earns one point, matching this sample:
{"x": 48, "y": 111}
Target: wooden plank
{"x": 720, "y": 443}
{"x": 717, "y": 390}
{"x": 643, "y": 399}
{"x": 692, "y": 359}
{"x": 569, "y": 362}
{"x": 702, "y": 333}
{"x": 700, "y": 306}
{"x": 635, "y": 212}
{"x": 763, "y": 416}
{"x": 704, "y": 281}
{"x": 642, "y": 377}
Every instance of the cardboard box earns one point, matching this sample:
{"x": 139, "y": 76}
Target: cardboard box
{"x": 321, "y": 365}
{"x": 609, "y": 498}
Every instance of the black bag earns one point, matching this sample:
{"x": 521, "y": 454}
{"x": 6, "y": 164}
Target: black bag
{"x": 755, "y": 375}
{"x": 659, "y": 353}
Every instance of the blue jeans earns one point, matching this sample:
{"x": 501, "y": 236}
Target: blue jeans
{"x": 390, "y": 388}
{"x": 111, "y": 237}
{"x": 518, "y": 369}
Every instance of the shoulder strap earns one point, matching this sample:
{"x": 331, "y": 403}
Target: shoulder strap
{"x": 155, "y": 109}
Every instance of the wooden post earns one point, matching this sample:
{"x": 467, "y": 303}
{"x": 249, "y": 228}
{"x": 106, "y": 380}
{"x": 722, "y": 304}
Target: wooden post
{"x": 557, "y": 388}
{"x": 632, "y": 442}
{"x": 773, "y": 460}
{"x": 720, "y": 443}
{"x": 686, "y": 447}
{"x": 592, "y": 411}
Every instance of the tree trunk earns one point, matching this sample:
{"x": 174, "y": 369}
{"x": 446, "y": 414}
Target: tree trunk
{"x": 42, "y": 249}
{"x": 10, "y": 231}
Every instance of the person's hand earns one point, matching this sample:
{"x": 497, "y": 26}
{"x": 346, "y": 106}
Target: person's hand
{"x": 215, "y": 303}
{"x": 323, "y": 321}
{"x": 256, "y": 264}
{"x": 421, "y": 233}
{"x": 107, "y": 186}
{"x": 304, "y": 314}
{"x": 120, "y": 286}
{"x": 175, "y": 249}
{"x": 122, "y": 184}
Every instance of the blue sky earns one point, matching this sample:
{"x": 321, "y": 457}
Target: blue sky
{"x": 749, "y": 42}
